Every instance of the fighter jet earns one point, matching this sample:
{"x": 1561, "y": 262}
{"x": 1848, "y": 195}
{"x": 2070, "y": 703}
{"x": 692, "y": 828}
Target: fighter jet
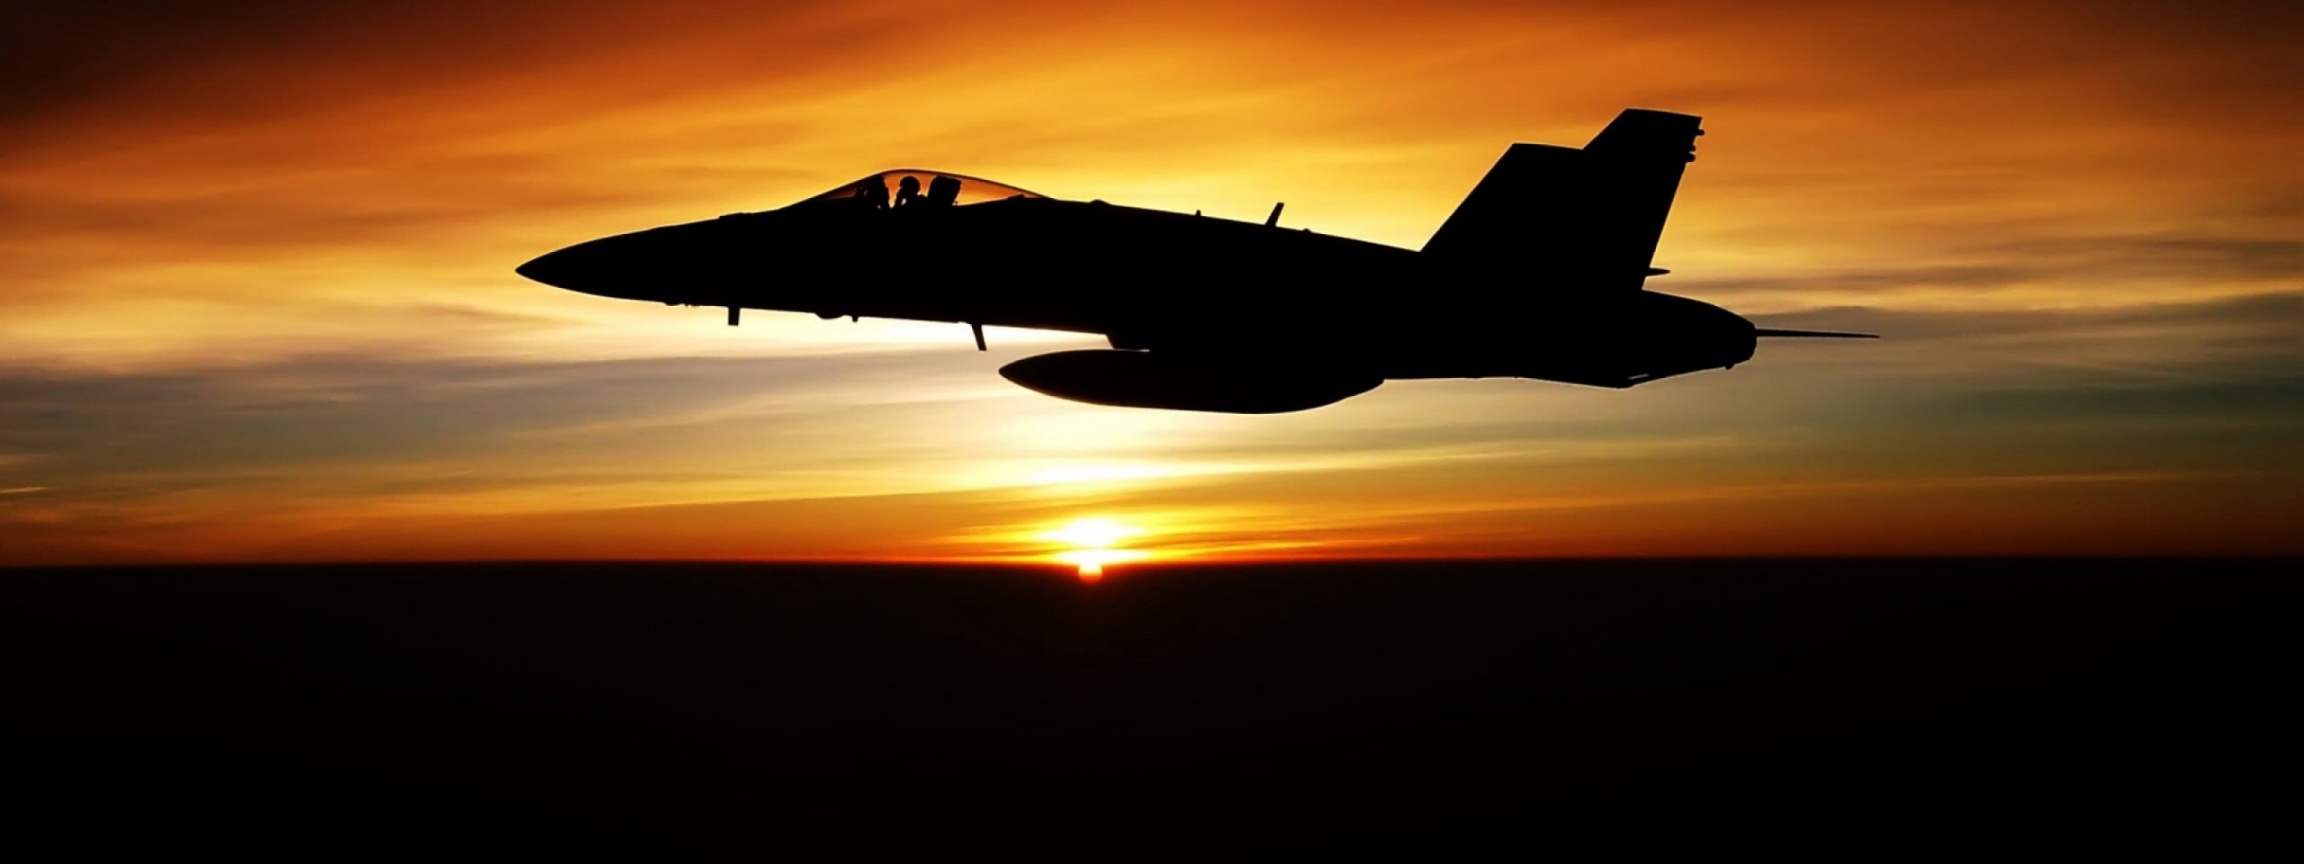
{"x": 1541, "y": 273}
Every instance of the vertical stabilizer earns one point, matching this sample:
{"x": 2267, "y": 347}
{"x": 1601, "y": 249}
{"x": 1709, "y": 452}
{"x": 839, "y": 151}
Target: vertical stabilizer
{"x": 1569, "y": 220}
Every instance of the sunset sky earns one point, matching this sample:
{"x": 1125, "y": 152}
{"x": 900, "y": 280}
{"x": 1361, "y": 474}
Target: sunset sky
{"x": 257, "y": 299}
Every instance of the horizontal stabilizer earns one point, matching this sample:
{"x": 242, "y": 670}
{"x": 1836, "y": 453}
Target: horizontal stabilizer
{"x": 1811, "y": 334}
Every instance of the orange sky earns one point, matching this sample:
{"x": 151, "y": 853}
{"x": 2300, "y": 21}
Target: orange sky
{"x": 256, "y": 299}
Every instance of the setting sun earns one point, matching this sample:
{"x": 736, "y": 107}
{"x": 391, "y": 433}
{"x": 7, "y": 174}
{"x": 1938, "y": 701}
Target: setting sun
{"x": 1091, "y": 543}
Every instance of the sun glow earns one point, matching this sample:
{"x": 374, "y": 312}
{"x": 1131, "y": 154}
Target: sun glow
{"x": 1096, "y": 473}
{"x": 1093, "y": 543}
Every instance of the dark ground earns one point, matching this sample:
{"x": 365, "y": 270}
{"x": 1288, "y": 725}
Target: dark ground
{"x": 742, "y": 711}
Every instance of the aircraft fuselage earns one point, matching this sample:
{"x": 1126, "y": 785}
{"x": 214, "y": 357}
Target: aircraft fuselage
{"x": 1160, "y": 281}
{"x": 1540, "y": 273}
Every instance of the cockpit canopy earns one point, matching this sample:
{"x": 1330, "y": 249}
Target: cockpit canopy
{"x": 910, "y": 187}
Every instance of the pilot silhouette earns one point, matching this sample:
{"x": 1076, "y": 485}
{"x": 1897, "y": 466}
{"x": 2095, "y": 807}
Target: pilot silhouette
{"x": 943, "y": 191}
{"x": 908, "y": 191}
{"x": 874, "y": 191}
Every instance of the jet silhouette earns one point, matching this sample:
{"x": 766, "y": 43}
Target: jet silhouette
{"x": 1540, "y": 273}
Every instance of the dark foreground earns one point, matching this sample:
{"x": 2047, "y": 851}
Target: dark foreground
{"x": 742, "y": 711}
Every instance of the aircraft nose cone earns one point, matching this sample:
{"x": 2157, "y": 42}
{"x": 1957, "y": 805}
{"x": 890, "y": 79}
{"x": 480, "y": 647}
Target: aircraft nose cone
{"x": 609, "y": 267}
{"x": 550, "y": 268}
